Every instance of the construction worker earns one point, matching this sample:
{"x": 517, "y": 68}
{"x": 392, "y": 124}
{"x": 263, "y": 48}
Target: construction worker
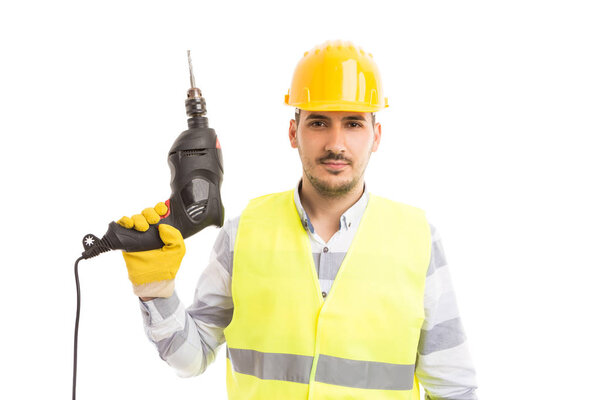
{"x": 321, "y": 292}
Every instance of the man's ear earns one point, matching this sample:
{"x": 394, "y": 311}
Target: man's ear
{"x": 377, "y": 130}
{"x": 292, "y": 134}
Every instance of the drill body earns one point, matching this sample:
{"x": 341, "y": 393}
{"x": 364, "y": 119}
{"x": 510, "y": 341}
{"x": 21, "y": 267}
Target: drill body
{"x": 196, "y": 164}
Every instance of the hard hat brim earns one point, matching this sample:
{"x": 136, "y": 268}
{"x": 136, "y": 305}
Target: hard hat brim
{"x": 338, "y": 106}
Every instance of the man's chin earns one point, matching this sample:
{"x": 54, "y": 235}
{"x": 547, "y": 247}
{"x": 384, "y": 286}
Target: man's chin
{"x": 327, "y": 188}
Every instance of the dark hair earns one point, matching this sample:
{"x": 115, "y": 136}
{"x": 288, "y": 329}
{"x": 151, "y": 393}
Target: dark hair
{"x": 297, "y": 113}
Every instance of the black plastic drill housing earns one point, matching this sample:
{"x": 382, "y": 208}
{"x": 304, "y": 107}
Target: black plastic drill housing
{"x": 196, "y": 164}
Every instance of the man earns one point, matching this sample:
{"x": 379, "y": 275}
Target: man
{"x": 323, "y": 292}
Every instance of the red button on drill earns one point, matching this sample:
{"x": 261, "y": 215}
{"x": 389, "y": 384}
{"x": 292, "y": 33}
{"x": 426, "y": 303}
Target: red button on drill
{"x": 168, "y": 204}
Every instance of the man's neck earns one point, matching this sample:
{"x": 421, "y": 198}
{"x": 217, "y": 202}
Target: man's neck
{"x": 327, "y": 210}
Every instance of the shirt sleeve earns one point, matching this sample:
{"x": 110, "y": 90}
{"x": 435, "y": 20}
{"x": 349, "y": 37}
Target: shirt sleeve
{"x": 444, "y": 367}
{"x": 188, "y": 339}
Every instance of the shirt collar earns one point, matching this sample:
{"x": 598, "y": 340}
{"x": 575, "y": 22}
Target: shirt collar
{"x": 350, "y": 218}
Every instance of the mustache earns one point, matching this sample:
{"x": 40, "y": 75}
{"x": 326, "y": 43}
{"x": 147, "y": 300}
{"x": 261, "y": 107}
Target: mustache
{"x": 334, "y": 157}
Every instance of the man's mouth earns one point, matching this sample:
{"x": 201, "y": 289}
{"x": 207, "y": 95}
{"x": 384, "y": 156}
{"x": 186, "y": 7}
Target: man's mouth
{"x": 335, "y": 164}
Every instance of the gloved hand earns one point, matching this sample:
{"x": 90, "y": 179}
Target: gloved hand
{"x": 152, "y": 272}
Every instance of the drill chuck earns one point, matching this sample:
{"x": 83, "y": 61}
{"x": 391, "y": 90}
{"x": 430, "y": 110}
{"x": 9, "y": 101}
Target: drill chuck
{"x": 195, "y": 106}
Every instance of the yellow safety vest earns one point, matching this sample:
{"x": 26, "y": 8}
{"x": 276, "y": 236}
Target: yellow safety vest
{"x": 286, "y": 342}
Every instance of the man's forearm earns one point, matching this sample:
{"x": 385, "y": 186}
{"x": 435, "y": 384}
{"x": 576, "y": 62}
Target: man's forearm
{"x": 176, "y": 337}
{"x": 188, "y": 339}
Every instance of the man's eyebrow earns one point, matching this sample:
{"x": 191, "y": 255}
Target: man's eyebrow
{"x": 318, "y": 116}
{"x": 354, "y": 118}
{"x": 348, "y": 118}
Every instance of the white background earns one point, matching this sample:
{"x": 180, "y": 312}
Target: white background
{"x": 492, "y": 129}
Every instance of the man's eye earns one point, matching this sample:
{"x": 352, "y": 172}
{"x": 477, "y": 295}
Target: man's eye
{"x": 355, "y": 125}
{"x": 317, "y": 124}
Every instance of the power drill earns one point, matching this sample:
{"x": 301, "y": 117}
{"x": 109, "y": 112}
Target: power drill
{"x": 196, "y": 166}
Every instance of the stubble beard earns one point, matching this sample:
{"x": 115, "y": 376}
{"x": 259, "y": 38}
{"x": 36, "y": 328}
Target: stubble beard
{"x": 327, "y": 190}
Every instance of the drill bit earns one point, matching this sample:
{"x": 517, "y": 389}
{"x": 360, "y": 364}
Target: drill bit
{"x": 192, "y": 80}
{"x": 194, "y": 92}
{"x": 195, "y": 105}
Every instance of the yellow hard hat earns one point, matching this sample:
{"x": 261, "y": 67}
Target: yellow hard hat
{"x": 336, "y": 76}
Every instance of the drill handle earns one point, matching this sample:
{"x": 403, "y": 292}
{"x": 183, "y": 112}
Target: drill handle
{"x": 130, "y": 240}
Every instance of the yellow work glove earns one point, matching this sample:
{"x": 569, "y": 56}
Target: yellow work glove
{"x": 152, "y": 272}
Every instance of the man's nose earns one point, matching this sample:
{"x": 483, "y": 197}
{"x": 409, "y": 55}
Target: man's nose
{"x": 336, "y": 142}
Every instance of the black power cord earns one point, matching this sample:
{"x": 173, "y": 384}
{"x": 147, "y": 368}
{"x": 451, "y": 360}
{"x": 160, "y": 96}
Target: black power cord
{"x": 93, "y": 246}
{"x": 76, "y": 326}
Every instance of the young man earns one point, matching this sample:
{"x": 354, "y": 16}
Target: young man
{"x": 324, "y": 291}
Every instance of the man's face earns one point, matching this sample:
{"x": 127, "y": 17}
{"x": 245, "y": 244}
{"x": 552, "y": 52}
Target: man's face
{"x": 334, "y": 148}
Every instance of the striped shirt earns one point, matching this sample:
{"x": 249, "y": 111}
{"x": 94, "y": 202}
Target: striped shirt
{"x": 188, "y": 339}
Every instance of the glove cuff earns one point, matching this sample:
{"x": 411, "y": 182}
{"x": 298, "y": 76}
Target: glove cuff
{"x": 155, "y": 289}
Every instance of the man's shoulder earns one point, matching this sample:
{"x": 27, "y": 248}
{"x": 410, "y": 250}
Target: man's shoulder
{"x": 395, "y": 203}
{"x": 435, "y": 235}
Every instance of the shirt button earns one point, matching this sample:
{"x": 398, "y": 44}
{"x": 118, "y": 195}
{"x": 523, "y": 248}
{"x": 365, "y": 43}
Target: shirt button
{"x": 324, "y": 294}
{"x": 325, "y": 250}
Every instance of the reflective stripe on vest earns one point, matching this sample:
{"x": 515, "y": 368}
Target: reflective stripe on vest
{"x": 286, "y": 341}
{"x": 333, "y": 370}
